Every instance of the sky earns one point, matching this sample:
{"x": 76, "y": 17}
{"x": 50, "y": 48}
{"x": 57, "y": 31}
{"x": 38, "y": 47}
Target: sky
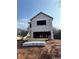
{"x": 26, "y": 9}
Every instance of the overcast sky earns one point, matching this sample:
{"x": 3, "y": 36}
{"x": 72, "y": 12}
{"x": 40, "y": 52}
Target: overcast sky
{"x": 26, "y": 9}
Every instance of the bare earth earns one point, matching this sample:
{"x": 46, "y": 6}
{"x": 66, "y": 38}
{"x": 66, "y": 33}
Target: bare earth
{"x": 52, "y": 50}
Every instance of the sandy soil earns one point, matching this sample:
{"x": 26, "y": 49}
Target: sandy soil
{"x": 52, "y": 50}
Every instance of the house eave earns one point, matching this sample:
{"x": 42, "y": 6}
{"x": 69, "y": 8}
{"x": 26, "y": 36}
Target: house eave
{"x": 40, "y": 13}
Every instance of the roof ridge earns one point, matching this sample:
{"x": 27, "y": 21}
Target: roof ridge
{"x": 40, "y": 13}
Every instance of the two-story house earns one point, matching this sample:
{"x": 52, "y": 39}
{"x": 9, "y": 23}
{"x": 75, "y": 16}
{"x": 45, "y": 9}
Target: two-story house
{"x": 41, "y": 26}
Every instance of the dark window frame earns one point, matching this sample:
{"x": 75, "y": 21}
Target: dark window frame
{"x": 41, "y": 22}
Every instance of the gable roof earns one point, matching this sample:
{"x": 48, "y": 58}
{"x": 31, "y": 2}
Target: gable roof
{"x": 39, "y": 14}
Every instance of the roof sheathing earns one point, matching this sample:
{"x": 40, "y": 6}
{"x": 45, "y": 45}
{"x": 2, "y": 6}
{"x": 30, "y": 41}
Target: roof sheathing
{"x": 41, "y": 13}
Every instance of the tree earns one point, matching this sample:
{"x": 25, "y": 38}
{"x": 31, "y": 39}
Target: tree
{"x": 21, "y": 32}
{"x": 57, "y": 33}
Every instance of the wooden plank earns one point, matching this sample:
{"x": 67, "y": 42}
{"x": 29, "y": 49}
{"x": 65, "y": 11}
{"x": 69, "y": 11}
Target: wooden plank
{"x": 38, "y": 39}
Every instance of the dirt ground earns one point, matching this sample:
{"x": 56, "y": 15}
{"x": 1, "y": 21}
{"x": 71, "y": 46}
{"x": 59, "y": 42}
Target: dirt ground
{"x": 52, "y": 50}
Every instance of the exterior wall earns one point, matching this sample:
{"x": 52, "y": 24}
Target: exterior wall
{"x": 41, "y": 28}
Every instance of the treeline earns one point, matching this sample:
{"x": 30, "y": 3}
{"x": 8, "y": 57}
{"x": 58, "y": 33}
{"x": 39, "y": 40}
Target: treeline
{"x": 21, "y": 32}
{"x": 57, "y": 33}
